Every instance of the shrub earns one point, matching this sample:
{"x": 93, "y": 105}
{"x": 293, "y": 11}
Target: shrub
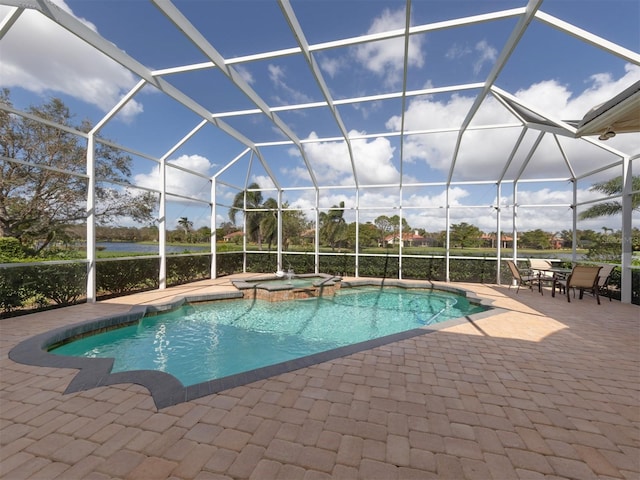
{"x": 15, "y": 288}
{"x": 62, "y": 284}
{"x": 187, "y": 269}
{"x": 299, "y": 263}
{"x": 125, "y": 276}
{"x": 228, "y": 263}
{"x": 11, "y": 250}
{"x": 262, "y": 262}
{"x": 424, "y": 268}
{"x": 343, "y": 265}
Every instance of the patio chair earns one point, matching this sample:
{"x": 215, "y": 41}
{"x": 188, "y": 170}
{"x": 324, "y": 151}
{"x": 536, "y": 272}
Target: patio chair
{"x": 522, "y": 279}
{"x": 541, "y": 267}
{"x": 582, "y": 277}
{"x": 603, "y": 280}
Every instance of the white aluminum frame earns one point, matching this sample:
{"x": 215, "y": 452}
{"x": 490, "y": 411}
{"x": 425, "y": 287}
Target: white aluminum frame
{"x": 156, "y": 78}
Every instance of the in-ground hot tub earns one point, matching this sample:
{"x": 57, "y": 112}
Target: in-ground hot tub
{"x": 277, "y": 288}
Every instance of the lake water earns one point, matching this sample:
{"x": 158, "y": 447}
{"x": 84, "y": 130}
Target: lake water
{"x": 147, "y": 248}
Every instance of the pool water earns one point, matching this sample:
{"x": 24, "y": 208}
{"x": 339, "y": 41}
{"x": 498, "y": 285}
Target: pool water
{"x": 202, "y": 342}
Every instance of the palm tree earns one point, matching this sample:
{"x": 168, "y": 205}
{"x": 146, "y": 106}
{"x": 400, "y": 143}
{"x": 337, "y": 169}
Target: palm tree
{"x": 186, "y": 225}
{"x": 269, "y": 222}
{"x": 614, "y": 207}
{"x": 245, "y": 201}
{"x": 333, "y": 225}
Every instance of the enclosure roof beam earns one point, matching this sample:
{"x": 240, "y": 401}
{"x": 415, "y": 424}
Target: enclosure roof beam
{"x": 7, "y": 22}
{"x": 523, "y": 23}
{"x": 292, "y": 20}
{"x": 119, "y": 106}
{"x": 73, "y": 25}
{"x": 184, "y": 139}
{"x": 403, "y": 105}
{"x": 194, "y": 35}
{"x": 532, "y": 150}
{"x": 352, "y": 100}
{"x": 595, "y": 40}
{"x": 512, "y": 155}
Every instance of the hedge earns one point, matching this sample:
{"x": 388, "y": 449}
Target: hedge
{"x": 25, "y": 289}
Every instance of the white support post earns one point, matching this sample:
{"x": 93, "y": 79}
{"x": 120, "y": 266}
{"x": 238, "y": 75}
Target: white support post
{"x": 447, "y": 237}
{"x": 244, "y": 231}
{"x": 162, "y": 224}
{"x": 401, "y": 234}
{"x": 627, "y": 247}
{"x": 357, "y": 259}
{"x": 91, "y": 219}
{"x": 498, "y": 234}
{"x": 515, "y": 221}
{"x": 574, "y": 220}
{"x": 317, "y": 233}
{"x": 214, "y": 239}
{"x": 279, "y": 249}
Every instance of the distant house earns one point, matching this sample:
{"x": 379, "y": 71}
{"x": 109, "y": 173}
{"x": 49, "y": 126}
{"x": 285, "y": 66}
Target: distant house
{"x": 489, "y": 240}
{"x": 229, "y": 237}
{"x": 409, "y": 239}
{"x": 557, "y": 242}
{"x": 308, "y": 236}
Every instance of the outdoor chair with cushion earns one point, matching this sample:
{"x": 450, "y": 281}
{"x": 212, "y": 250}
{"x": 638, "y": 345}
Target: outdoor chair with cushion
{"x": 527, "y": 279}
{"x": 540, "y": 267}
{"x": 582, "y": 277}
{"x": 603, "y": 280}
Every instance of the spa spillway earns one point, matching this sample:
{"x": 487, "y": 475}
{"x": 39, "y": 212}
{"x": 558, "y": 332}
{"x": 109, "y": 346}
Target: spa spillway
{"x": 275, "y": 288}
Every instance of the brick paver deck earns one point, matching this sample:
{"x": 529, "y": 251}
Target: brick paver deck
{"x": 543, "y": 389}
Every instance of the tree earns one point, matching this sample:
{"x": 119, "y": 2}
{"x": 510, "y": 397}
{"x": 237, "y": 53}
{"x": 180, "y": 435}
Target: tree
{"x": 465, "y": 235}
{"x": 294, "y": 223}
{"x": 537, "y": 239}
{"x": 387, "y": 225}
{"x": 41, "y": 198}
{"x": 269, "y": 222}
{"x": 384, "y": 226}
{"x": 185, "y": 224}
{"x": 612, "y": 187}
{"x": 567, "y": 238}
{"x": 368, "y": 234}
{"x": 246, "y": 201}
{"x": 333, "y": 228}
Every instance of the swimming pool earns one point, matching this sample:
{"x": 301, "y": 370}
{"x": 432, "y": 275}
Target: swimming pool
{"x": 199, "y": 349}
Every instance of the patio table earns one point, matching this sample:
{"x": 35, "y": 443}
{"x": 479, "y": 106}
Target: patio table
{"x": 558, "y": 273}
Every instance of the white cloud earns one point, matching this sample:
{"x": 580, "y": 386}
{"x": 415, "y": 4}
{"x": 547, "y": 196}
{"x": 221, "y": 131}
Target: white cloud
{"x": 457, "y": 51}
{"x": 178, "y": 181}
{"x": 40, "y": 56}
{"x": 277, "y": 75}
{"x": 560, "y": 101}
{"x": 332, "y": 65}
{"x": 484, "y": 152}
{"x": 488, "y": 54}
{"x": 264, "y": 181}
{"x": 244, "y": 73}
{"x": 386, "y": 57}
{"x": 372, "y": 157}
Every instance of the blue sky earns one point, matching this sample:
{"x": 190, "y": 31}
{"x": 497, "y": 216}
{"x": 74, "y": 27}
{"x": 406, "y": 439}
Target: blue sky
{"x": 550, "y": 70}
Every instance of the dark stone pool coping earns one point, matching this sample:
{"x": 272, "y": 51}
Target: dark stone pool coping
{"x": 167, "y": 390}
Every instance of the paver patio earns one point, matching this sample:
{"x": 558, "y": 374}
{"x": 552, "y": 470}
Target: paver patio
{"x": 543, "y": 389}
